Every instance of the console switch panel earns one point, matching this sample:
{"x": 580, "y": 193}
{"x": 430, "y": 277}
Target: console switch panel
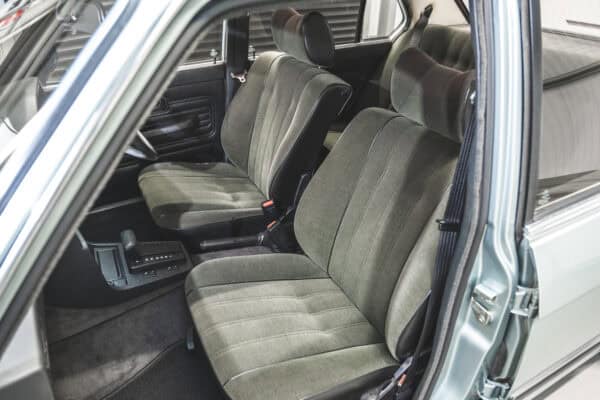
{"x": 151, "y": 255}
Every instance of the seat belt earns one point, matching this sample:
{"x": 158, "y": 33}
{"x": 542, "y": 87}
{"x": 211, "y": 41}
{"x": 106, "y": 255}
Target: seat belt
{"x": 449, "y": 228}
{"x": 237, "y": 55}
{"x": 419, "y": 28}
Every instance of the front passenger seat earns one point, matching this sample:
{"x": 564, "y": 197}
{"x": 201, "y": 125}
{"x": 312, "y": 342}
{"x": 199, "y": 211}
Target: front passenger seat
{"x": 271, "y": 134}
{"x": 323, "y": 324}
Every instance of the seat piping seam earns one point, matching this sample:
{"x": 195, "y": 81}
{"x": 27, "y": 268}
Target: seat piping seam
{"x": 272, "y": 316}
{"x": 264, "y": 298}
{"x": 297, "y": 358}
{"x": 305, "y": 332}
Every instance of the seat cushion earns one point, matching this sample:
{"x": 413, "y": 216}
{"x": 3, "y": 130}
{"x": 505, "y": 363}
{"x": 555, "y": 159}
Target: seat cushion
{"x": 186, "y": 195}
{"x": 281, "y": 339}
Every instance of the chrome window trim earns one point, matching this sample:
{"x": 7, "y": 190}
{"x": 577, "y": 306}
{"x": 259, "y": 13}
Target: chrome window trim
{"x": 115, "y": 205}
{"x": 566, "y": 202}
{"x": 198, "y": 65}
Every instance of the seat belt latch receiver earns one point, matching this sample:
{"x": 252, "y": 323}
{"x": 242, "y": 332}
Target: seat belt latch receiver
{"x": 397, "y": 380}
{"x": 270, "y": 212}
{"x": 447, "y": 226}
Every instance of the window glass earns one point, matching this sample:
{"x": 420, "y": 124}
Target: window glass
{"x": 34, "y": 50}
{"x": 71, "y": 41}
{"x": 569, "y": 159}
{"x": 209, "y": 47}
{"x": 342, "y": 16}
{"x": 381, "y": 18}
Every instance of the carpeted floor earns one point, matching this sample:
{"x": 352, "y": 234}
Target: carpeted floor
{"x": 176, "y": 374}
{"x": 134, "y": 347}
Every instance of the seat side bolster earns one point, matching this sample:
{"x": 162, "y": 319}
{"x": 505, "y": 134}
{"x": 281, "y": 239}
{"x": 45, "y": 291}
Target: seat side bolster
{"x": 320, "y": 375}
{"x": 253, "y": 268}
{"x": 414, "y": 282}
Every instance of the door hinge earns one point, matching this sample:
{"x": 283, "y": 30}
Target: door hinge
{"x": 493, "y": 390}
{"x": 525, "y": 302}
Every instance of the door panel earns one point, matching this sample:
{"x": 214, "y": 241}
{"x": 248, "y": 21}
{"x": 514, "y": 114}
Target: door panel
{"x": 564, "y": 248}
{"x": 184, "y": 126}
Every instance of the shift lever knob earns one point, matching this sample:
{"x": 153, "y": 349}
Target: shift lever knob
{"x": 129, "y": 242}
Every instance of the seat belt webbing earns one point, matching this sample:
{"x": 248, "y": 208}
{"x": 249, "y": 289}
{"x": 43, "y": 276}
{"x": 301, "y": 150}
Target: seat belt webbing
{"x": 237, "y": 55}
{"x": 419, "y": 28}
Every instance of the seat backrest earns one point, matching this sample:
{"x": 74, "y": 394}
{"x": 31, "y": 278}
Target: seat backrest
{"x": 449, "y": 46}
{"x": 278, "y": 119}
{"x": 375, "y": 196}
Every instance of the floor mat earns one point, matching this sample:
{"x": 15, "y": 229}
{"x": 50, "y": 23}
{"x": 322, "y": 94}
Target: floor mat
{"x": 175, "y": 374}
{"x": 97, "y": 361}
{"x": 61, "y": 323}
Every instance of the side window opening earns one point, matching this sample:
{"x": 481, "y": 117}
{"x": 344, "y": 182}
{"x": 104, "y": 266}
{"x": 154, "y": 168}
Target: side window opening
{"x": 71, "y": 42}
{"x": 380, "y": 18}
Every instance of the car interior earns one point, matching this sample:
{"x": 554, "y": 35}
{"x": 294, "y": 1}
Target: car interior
{"x": 271, "y": 232}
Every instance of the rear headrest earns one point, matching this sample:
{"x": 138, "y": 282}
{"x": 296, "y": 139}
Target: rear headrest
{"x": 430, "y": 93}
{"x": 305, "y": 37}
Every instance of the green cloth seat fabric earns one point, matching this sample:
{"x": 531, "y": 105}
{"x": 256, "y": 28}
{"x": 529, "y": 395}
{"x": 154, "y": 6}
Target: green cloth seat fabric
{"x": 258, "y": 332}
{"x": 449, "y": 46}
{"x": 296, "y": 326}
{"x": 185, "y": 195}
{"x": 271, "y": 134}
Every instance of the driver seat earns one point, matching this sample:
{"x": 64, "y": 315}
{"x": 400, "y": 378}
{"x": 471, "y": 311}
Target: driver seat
{"x": 271, "y": 134}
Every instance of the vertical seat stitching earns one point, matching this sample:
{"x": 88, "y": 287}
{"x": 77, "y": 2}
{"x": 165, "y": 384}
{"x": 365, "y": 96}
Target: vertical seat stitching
{"x": 362, "y": 171}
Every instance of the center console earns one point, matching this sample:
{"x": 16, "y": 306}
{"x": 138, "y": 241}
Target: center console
{"x": 131, "y": 264}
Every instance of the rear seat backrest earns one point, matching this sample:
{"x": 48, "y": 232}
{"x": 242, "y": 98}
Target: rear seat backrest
{"x": 396, "y": 167}
{"x": 449, "y": 46}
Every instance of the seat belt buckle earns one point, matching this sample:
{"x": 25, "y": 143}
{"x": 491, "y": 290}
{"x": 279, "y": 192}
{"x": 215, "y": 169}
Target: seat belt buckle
{"x": 447, "y": 226}
{"x": 269, "y": 210}
{"x": 397, "y": 380}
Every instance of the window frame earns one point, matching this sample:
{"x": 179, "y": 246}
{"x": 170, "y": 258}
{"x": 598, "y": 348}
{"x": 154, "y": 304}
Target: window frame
{"x": 394, "y": 34}
{"x": 565, "y": 202}
{"x": 193, "y": 64}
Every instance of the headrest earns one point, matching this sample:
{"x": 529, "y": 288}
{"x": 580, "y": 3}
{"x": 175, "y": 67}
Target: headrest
{"x": 430, "y": 93}
{"x": 306, "y": 37}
